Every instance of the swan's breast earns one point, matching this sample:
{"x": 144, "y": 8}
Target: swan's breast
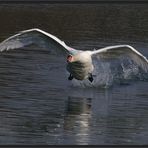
{"x": 81, "y": 66}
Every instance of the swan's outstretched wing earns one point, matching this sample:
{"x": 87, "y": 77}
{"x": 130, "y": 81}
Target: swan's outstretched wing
{"x": 37, "y": 37}
{"x": 120, "y": 50}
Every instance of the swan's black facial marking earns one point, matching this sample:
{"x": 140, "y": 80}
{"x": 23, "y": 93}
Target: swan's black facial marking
{"x": 69, "y": 58}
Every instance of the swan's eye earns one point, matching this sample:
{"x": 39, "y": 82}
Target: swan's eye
{"x": 69, "y": 58}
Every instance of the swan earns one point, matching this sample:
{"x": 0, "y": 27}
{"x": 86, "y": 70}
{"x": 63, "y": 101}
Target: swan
{"x": 79, "y": 63}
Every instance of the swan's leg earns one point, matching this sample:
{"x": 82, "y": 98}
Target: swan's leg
{"x": 70, "y": 77}
{"x": 90, "y": 78}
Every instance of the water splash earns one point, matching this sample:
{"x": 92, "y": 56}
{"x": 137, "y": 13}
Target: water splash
{"x": 113, "y": 72}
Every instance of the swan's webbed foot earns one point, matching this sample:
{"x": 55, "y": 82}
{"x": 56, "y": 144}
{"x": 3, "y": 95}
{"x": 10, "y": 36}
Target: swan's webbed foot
{"x": 90, "y": 78}
{"x": 70, "y": 77}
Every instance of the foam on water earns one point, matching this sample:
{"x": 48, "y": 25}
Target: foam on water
{"x": 107, "y": 74}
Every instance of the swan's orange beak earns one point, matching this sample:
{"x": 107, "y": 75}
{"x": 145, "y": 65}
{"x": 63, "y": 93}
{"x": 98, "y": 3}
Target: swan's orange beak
{"x": 69, "y": 58}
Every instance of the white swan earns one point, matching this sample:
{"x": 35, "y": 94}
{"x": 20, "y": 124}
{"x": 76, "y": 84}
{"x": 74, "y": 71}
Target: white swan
{"x": 79, "y": 63}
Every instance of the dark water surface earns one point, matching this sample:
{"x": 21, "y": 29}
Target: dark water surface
{"x": 38, "y": 105}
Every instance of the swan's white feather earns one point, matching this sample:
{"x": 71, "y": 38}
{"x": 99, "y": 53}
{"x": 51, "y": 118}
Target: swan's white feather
{"x": 49, "y": 41}
{"x": 37, "y": 37}
{"x": 122, "y": 50}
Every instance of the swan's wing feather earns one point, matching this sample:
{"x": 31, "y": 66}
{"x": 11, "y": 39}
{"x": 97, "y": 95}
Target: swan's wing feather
{"x": 37, "y": 37}
{"x": 122, "y": 50}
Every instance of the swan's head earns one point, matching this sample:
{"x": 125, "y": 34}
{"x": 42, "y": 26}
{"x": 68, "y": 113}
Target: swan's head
{"x": 79, "y": 57}
{"x": 69, "y": 58}
{"x": 73, "y": 58}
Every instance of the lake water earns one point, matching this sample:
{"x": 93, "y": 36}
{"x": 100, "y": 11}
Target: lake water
{"x": 38, "y": 105}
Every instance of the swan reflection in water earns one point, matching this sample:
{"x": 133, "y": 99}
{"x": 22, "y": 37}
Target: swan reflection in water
{"x": 77, "y": 118}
